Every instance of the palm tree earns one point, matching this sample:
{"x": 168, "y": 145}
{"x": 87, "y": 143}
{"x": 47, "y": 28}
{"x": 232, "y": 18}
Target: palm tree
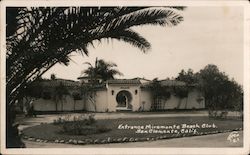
{"x": 40, "y": 37}
{"x": 102, "y": 69}
{"x": 59, "y": 94}
{"x": 46, "y": 36}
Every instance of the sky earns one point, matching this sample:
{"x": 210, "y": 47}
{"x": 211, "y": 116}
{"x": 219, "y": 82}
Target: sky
{"x": 208, "y": 35}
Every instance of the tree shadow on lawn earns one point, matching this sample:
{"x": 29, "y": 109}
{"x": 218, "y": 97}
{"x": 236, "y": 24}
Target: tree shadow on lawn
{"x": 52, "y": 133}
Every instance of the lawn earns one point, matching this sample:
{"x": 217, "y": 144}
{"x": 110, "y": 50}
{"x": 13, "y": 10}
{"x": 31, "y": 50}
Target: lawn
{"x": 136, "y": 129}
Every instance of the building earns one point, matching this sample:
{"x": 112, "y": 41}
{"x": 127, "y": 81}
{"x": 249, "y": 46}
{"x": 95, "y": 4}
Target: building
{"x": 119, "y": 95}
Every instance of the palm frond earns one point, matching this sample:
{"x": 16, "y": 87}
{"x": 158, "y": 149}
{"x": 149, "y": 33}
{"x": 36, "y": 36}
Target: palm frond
{"x": 44, "y": 36}
{"x": 181, "y": 8}
{"x": 132, "y": 38}
{"x": 88, "y": 63}
{"x": 141, "y": 17}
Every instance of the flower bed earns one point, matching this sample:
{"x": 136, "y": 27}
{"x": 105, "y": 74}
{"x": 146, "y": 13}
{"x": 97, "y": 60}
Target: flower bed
{"x": 52, "y": 132}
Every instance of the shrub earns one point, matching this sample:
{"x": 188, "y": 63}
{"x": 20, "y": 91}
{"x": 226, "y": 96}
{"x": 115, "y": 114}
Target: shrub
{"x": 217, "y": 114}
{"x": 62, "y": 119}
{"x": 76, "y": 96}
{"x": 46, "y": 95}
{"x": 79, "y": 125}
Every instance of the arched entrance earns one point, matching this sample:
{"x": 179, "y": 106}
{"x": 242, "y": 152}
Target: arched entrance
{"x": 123, "y": 99}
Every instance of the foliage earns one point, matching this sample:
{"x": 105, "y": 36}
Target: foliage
{"x": 39, "y": 37}
{"x": 34, "y": 90}
{"x": 159, "y": 92}
{"x": 12, "y": 131}
{"x": 79, "y": 125}
{"x": 88, "y": 118}
{"x": 77, "y": 96}
{"x": 59, "y": 93}
{"x": 46, "y": 95}
{"x": 102, "y": 69}
{"x": 52, "y": 132}
{"x": 221, "y": 93}
{"x": 189, "y": 77}
{"x": 181, "y": 92}
{"x": 88, "y": 91}
{"x": 53, "y": 76}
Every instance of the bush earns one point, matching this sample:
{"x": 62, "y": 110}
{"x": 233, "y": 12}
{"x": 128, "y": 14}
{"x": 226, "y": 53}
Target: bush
{"x": 217, "y": 114}
{"x": 76, "y": 96}
{"x": 46, "y": 95}
{"x": 79, "y": 125}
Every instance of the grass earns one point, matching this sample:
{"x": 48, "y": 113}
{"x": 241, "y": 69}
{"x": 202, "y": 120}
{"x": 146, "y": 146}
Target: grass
{"x": 52, "y": 132}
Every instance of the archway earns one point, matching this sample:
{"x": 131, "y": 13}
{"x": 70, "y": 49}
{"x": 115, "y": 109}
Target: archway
{"x": 123, "y": 99}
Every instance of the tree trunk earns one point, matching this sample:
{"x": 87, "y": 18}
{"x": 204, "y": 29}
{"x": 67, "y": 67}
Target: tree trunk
{"x": 186, "y": 103}
{"x": 179, "y": 104}
{"x": 62, "y": 105}
{"x": 13, "y": 139}
{"x": 74, "y": 105}
{"x": 56, "y": 106}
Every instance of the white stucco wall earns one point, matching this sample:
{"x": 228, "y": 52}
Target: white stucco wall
{"x": 192, "y": 100}
{"x": 145, "y": 98}
{"x": 106, "y": 102}
{"x": 44, "y": 105}
{"x": 101, "y": 102}
{"x": 117, "y": 88}
{"x": 65, "y": 105}
{"x": 186, "y": 103}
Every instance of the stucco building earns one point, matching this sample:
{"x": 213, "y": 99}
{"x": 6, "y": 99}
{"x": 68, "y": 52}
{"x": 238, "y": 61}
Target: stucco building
{"x": 118, "y": 95}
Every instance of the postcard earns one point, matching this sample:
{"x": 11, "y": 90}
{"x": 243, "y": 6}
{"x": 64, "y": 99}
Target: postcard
{"x": 125, "y": 77}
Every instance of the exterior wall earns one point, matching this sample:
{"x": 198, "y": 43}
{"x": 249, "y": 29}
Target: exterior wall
{"x": 101, "y": 102}
{"x": 44, "y": 105}
{"x": 65, "y": 105}
{"x": 106, "y": 101}
{"x": 146, "y": 100}
{"x": 111, "y": 100}
{"x": 193, "y": 97}
{"x": 186, "y": 103}
{"x": 174, "y": 101}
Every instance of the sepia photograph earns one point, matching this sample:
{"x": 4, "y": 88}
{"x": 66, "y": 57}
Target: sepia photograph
{"x": 126, "y": 78}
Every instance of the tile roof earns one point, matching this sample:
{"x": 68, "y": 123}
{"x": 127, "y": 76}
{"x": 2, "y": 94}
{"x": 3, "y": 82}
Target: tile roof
{"x": 124, "y": 81}
{"x": 167, "y": 83}
{"x": 57, "y": 82}
{"x": 172, "y": 83}
{"x": 87, "y": 77}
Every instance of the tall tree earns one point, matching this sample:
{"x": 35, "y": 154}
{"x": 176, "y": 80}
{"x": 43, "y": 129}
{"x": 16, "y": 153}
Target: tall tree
{"x": 46, "y": 36}
{"x": 102, "y": 69}
{"x": 40, "y": 37}
{"x": 221, "y": 93}
{"x": 59, "y": 94}
{"x": 187, "y": 76}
